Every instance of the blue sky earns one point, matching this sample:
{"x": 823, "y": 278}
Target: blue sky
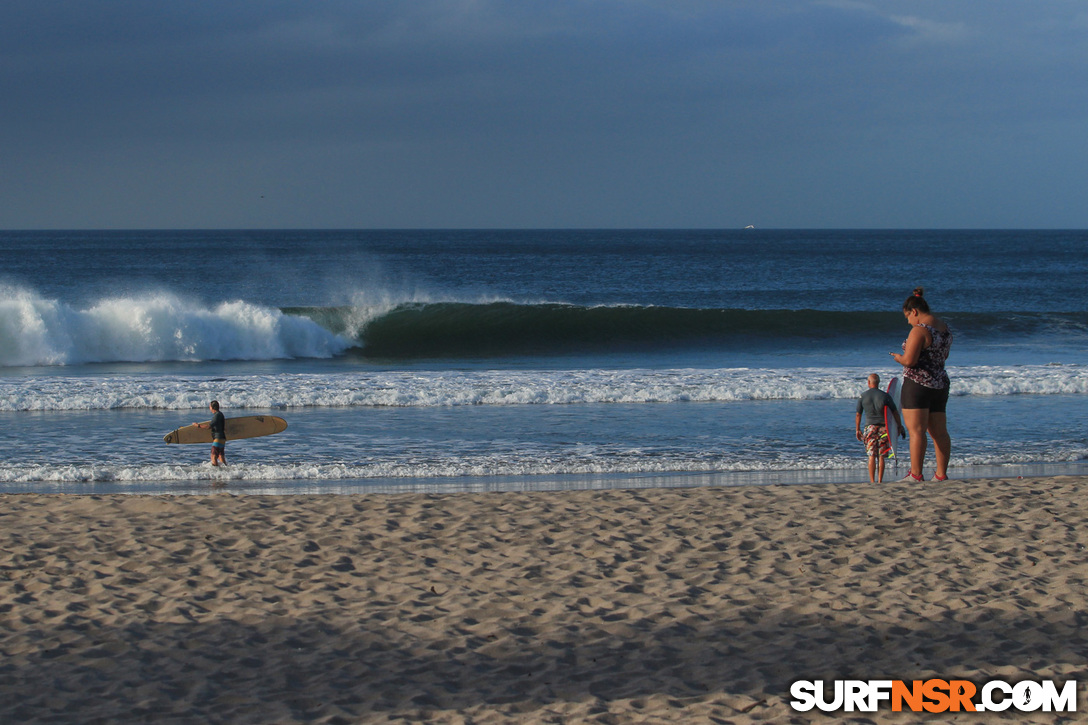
{"x": 557, "y": 113}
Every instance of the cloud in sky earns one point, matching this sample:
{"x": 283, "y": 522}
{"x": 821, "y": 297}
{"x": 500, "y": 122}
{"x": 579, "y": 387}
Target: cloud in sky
{"x": 569, "y": 113}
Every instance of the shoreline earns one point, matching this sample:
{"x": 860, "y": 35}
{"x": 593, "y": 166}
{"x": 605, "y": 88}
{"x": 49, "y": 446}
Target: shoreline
{"x": 619, "y": 605}
{"x": 503, "y": 484}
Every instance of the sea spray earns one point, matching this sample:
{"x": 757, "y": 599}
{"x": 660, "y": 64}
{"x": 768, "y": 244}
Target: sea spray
{"x": 33, "y": 331}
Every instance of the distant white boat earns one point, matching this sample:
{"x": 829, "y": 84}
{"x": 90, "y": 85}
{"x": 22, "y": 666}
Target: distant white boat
{"x": 750, "y": 226}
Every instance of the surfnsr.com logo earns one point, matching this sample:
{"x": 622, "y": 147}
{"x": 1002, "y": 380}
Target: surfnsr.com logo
{"x": 933, "y": 695}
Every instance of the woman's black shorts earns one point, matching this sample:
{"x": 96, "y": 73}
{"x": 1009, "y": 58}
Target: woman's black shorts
{"x": 915, "y": 395}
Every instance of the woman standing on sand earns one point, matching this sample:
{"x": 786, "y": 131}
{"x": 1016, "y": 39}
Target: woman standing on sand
{"x": 925, "y": 385}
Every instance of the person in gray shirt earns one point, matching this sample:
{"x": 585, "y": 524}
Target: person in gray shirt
{"x": 871, "y": 404}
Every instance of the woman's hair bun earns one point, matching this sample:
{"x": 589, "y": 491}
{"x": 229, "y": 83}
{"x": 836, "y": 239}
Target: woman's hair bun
{"x": 916, "y": 301}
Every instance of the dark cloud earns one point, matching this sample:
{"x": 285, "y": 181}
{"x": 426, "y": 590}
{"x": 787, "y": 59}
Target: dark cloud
{"x": 565, "y": 113}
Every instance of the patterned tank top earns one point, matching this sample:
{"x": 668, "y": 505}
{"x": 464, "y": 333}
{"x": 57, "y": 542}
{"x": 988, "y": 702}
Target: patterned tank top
{"x": 929, "y": 370}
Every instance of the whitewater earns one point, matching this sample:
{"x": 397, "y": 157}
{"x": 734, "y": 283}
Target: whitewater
{"x": 443, "y": 388}
{"x": 39, "y": 331}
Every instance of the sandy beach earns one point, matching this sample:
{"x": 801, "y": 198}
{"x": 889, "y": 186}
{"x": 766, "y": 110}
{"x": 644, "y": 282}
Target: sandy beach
{"x": 658, "y": 605}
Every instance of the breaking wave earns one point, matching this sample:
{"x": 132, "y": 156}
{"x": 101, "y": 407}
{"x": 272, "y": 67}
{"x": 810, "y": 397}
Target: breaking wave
{"x": 154, "y": 328}
{"x": 166, "y": 328}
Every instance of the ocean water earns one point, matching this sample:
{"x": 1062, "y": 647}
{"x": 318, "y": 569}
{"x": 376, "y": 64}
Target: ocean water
{"x": 504, "y": 360}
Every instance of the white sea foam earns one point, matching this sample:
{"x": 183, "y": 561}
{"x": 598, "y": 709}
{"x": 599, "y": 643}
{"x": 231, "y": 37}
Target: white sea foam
{"x": 453, "y": 468}
{"x": 443, "y": 388}
{"x": 152, "y": 328}
{"x": 555, "y": 463}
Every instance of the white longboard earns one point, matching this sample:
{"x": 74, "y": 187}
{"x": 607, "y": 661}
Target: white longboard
{"x": 890, "y": 423}
{"x": 246, "y": 426}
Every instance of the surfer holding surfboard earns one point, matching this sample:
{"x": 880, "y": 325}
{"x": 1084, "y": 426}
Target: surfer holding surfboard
{"x": 217, "y": 430}
{"x": 872, "y": 404}
{"x": 218, "y": 426}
